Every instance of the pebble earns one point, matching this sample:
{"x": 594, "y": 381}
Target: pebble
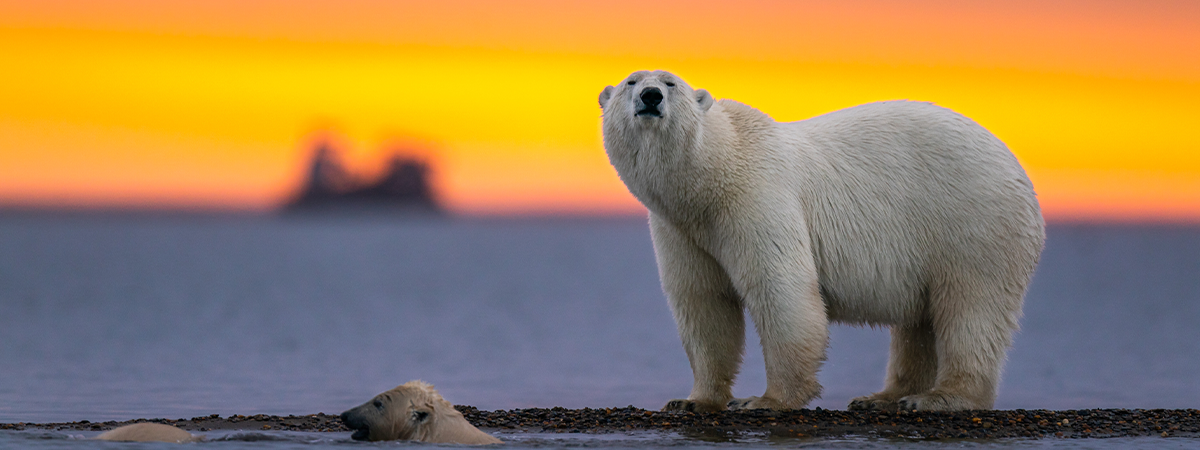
{"x": 821, "y": 422}
{"x": 1092, "y": 423}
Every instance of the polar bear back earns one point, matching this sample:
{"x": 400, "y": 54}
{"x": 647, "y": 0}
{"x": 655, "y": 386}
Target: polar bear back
{"x": 148, "y": 432}
{"x": 898, "y": 196}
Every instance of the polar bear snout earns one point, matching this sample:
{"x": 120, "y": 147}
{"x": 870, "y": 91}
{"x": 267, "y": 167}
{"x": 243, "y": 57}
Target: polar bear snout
{"x": 355, "y": 421}
{"x": 651, "y": 96}
{"x": 648, "y": 101}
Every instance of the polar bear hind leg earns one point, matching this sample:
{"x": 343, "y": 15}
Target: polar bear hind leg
{"x": 973, "y": 323}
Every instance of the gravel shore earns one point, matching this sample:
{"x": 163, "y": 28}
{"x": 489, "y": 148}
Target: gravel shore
{"x": 1091, "y": 423}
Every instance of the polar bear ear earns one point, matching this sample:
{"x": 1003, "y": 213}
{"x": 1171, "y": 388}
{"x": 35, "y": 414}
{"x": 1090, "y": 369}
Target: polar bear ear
{"x": 421, "y": 413}
{"x": 704, "y": 99}
{"x": 605, "y": 95}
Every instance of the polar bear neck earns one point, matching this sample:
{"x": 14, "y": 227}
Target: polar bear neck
{"x": 447, "y": 425}
{"x": 674, "y": 170}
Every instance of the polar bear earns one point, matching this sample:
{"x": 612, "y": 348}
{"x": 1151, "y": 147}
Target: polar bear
{"x": 413, "y": 411}
{"x": 148, "y": 432}
{"x": 899, "y": 214}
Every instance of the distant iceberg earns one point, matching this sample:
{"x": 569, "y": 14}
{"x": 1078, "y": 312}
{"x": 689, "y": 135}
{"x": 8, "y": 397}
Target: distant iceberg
{"x": 330, "y": 188}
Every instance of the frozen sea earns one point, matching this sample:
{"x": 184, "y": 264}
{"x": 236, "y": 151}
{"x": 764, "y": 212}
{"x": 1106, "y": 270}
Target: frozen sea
{"x": 113, "y": 317}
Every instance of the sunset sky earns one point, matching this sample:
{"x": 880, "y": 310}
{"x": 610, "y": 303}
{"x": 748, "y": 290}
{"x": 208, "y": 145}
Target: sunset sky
{"x": 215, "y": 103}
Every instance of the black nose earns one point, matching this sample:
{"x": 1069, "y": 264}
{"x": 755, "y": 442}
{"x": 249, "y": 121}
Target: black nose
{"x": 652, "y": 96}
{"x": 350, "y": 421}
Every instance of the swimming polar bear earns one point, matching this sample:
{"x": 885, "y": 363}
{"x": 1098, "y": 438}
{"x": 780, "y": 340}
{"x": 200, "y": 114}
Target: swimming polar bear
{"x": 148, "y": 432}
{"x": 897, "y": 213}
{"x": 413, "y": 411}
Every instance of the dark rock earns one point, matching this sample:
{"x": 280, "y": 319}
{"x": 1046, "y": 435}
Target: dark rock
{"x": 803, "y": 422}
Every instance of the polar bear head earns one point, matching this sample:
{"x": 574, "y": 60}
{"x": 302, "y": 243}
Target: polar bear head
{"x": 412, "y": 411}
{"x": 654, "y": 123}
{"x": 652, "y": 100}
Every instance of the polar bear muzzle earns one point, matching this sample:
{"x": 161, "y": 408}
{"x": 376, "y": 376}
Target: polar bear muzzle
{"x": 648, "y": 101}
{"x": 354, "y": 420}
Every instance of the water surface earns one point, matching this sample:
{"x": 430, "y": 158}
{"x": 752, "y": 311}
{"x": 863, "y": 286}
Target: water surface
{"x": 113, "y": 318}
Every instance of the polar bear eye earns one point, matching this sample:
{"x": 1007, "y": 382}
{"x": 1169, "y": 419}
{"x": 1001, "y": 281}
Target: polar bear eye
{"x": 378, "y": 404}
{"x": 631, "y": 82}
{"x": 670, "y": 84}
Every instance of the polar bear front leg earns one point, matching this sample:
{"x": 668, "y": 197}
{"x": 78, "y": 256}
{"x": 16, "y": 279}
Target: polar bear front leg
{"x": 912, "y": 367}
{"x": 771, "y": 264}
{"x": 708, "y": 314}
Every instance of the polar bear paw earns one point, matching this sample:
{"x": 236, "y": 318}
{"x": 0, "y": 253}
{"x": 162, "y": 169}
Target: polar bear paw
{"x": 875, "y": 402}
{"x": 938, "y": 401}
{"x": 755, "y": 403}
{"x": 684, "y": 404}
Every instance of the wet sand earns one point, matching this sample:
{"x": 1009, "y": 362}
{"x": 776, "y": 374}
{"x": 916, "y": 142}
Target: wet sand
{"x": 1092, "y": 423}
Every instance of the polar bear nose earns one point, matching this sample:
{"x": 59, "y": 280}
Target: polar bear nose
{"x": 652, "y": 96}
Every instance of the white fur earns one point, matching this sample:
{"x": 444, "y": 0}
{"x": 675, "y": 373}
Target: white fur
{"x": 413, "y": 411}
{"x": 899, "y": 213}
{"x": 149, "y": 432}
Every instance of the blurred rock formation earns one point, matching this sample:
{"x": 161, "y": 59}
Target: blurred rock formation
{"x": 329, "y": 187}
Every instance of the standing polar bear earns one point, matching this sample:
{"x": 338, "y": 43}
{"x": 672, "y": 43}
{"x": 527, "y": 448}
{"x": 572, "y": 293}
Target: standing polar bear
{"x": 895, "y": 213}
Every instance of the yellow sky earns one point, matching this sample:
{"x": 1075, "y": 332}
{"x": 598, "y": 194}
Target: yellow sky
{"x": 214, "y": 104}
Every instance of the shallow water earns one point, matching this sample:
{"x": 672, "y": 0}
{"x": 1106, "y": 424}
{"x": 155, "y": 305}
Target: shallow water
{"x": 113, "y": 318}
{"x": 269, "y": 440}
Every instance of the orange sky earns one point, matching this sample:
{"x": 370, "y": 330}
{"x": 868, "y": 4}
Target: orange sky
{"x": 214, "y": 103}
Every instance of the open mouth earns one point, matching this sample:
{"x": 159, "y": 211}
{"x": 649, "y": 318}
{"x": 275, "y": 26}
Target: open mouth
{"x": 649, "y": 111}
{"x": 353, "y": 421}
